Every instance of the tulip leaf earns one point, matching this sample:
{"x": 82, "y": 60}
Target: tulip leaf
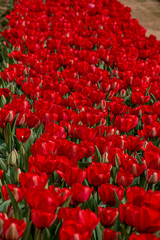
{"x": 98, "y": 154}
{"x": 56, "y": 235}
{"x": 98, "y": 232}
{"x": 153, "y": 98}
{"x": 3, "y": 165}
{"x": 46, "y": 234}
{"x": 117, "y": 199}
{"x": 6, "y": 178}
{"x": 14, "y": 124}
{"x": 66, "y": 203}
{"x": 4, "y": 205}
{"x": 117, "y": 162}
{"x": 11, "y": 173}
{"x": 16, "y": 209}
{"x": 27, "y": 231}
{"x": 39, "y": 130}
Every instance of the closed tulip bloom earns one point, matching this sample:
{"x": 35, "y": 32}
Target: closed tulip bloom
{"x": 80, "y": 193}
{"x": 152, "y": 176}
{"x": 108, "y": 216}
{"x": 98, "y": 173}
{"x": 30, "y": 179}
{"x": 72, "y": 175}
{"x": 126, "y": 123}
{"x": 13, "y": 229}
{"x": 107, "y": 195}
{"x": 124, "y": 178}
{"x": 109, "y": 234}
{"x": 42, "y": 219}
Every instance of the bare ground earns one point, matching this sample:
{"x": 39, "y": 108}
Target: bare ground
{"x": 148, "y": 14}
{"x": 4, "y": 7}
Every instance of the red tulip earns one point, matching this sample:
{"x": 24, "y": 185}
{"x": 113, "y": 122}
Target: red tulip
{"x": 1, "y": 173}
{"x": 107, "y": 195}
{"x": 143, "y": 219}
{"x": 23, "y": 134}
{"x": 42, "y": 219}
{"x": 63, "y": 193}
{"x": 7, "y": 115}
{"x": 13, "y": 229}
{"x": 16, "y": 191}
{"x": 152, "y": 156}
{"x": 80, "y": 193}
{"x": 31, "y": 179}
{"x": 108, "y": 216}
{"x": 109, "y": 234}
{"x": 124, "y": 178}
{"x": 152, "y": 176}
{"x": 72, "y": 175}
{"x": 44, "y": 200}
{"x": 143, "y": 236}
{"x": 77, "y": 222}
{"x": 126, "y": 123}
{"x": 98, "y": 173}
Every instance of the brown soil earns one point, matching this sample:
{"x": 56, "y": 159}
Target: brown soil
{"x": 4, "y": 7}
{"x": 148, "y": 14}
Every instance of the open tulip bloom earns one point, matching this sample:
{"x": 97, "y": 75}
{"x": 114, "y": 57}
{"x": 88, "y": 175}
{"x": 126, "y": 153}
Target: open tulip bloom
{"x": 79, "y": 123}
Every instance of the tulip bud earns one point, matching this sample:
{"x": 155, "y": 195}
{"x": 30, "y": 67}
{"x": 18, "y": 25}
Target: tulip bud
{"x": 108, "y": 216}
{"x": 17, "y": 173}
{"x": 152, "y": 176}
{"x": 3, "y": 100}
{"x": 13, "y": 229}
{"x": 123, "y": 93}
{"x": 103, "y": 104}
{"x": 105, "y": 157}
{"x": 12, "y": 157}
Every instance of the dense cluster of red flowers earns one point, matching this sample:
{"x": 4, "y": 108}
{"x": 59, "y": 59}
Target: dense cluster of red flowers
{"x": 79, "y": 118}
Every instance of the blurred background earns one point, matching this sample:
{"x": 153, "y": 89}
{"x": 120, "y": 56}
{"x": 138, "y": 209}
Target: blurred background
{"x": 148, "y": 14}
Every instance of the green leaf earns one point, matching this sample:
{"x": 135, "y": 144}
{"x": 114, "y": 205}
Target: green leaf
{"x": 10, "y": 173}
{"x": 153, "y": 98}
{"x": 66, "y": 203}
{"x": 6, "y": 178}
{"x": 14, "y": 124}
{"x": 16, "y": 209}
{"x": 39, "y": 130}
{"x": 98, "y": 154}
{"x": 46, "y": 234}
{"x": 98, "y": 232}
{"x": 117, "y": 162}
{"x": 3, "y": 165}
{"x": 27, "y": 231}
{"x": 4, "y": 205}
{"x": 117, "y": 199}
{"x": 56, "y": 235}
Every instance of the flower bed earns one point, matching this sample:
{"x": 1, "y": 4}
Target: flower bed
{"x": 79, "y": 122}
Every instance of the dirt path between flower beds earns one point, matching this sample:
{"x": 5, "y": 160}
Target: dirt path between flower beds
{"x": 4, "y": 7}
{"x": 148, "y": 14}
